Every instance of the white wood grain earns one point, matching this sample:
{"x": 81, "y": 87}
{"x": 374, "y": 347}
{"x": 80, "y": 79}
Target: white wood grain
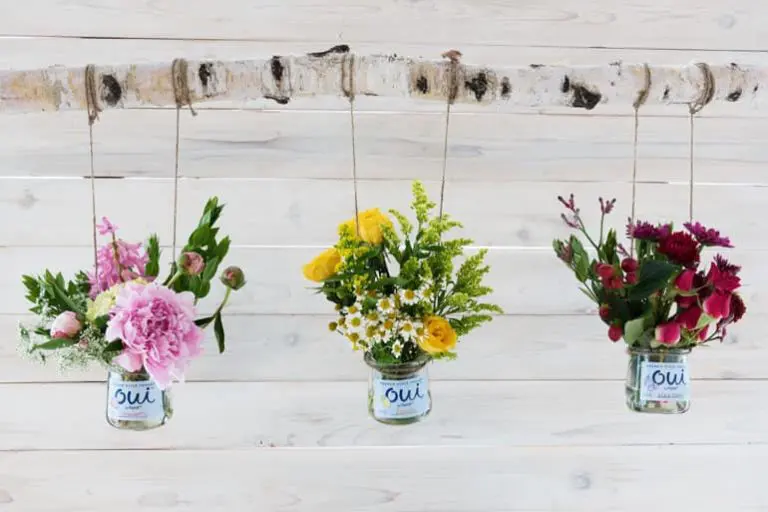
{"x": 644, "y": 24}
{"x": 70, "y": 416}
{"x": 300, "y": 348}
{"x": 317, "y": 145}
{"x": 430, "y": 479}
{"x": 525, "y": 281}
{"x": 266, "y": 212}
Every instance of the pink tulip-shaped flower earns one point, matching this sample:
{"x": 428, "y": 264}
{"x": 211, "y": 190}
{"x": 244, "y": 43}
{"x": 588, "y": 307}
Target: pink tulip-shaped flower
{"x": 689, "y": 317}
{"x": 668, "y": 333}
{"x": 684, "y": 282}
{"x": 718, "y": 304}
{"x": 66, "y": 326}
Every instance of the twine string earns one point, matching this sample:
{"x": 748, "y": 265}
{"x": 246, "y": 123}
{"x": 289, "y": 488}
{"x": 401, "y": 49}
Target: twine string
{"x": 642, "y": 96}
{"x": 350, "y": 93}
{"x": 707, "y": 93}
{"x": 93, "y": 109}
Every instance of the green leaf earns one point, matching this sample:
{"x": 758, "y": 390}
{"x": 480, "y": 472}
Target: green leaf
{"x": 115, "y": 346}
{"x": 223, "y": 248}
{"x": 704, "y": 319}
{"x": 634, "y": 329}
{"x": 218, "y": 329}
{"x": 200, "y": 236}
{"x": 608, "y": 249}
{"x": 210, "y": 269}
{"x": 204, "y": 322}
{"x": 653, "y": 276}
{"x": 54, "y": 344}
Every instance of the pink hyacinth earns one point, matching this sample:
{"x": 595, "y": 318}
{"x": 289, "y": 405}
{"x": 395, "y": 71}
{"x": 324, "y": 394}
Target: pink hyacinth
{"x": 158, "y": 331}
{"x": 127, "y": 264}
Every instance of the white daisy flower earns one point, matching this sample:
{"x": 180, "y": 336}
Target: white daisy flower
{"x": 386, "y": 305}
{"x": 407, "y": 330}
{"x": 397, "y": 348}
{"x": 354, "y": 323}
{"x": 354, "y": 309}
{"x": 409, "y": 296}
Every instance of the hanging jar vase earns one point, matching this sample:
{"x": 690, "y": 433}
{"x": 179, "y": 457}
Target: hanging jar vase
{"x": 658, "y": 381}
{"x": 401, "y": 301}
{"x": 135, "y": 402}
{"x": 399, "y": 394}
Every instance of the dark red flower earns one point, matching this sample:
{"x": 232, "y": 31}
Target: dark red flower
{"x": 738, "y": 308}
{"x": 631, "y": 278}
{"x": 647, "y": 231}
{"x": 721, "y": 280}
{"x": 605, "y": 312}
{"x": 604, "y": 270}
{"x": 708, "y": 237}
{"x": 615, "y": 332}
{"x": 725, "y": 266}
{"x": 681, "y": 248}
{"x": 629, "y": 265}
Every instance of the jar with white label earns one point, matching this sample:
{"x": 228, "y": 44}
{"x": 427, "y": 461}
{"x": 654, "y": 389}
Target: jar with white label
{"x": 399, "y": 394}
{"x": 134, "y": 402}
{"x": 658, "y": 381}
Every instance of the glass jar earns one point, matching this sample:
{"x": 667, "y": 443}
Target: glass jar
{"x": 134, "y": 402}
{"x": 658, "y": 381}
{"x": 399, "y": 394}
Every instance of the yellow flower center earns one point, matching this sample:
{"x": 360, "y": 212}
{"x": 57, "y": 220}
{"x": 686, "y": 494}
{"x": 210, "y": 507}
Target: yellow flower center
{"x": 355, "y": 322}
{"x": 409, "y": 294}
{"x": 388, "y": 324}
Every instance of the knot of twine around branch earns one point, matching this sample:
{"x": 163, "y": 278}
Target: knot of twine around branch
{"x": 179, "y": 78}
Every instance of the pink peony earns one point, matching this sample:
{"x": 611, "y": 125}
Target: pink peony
{"x": 66, "y": 325}
{"x": 718, "y": 304}
{"x": 158, "y": 331}
{"x": 668, "y": 334}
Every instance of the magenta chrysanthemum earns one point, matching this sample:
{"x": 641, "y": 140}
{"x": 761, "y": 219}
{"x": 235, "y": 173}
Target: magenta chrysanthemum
{"x": 708, "y": 237}
{"x": 647, "y": 231}
{"x": 158, "y": 331}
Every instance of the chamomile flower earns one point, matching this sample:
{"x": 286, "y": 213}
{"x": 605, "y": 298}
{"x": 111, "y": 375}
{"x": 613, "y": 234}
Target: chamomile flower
{"x": 407, "y": 330}
{"x": 387, "y": 326}
{"x": 354, "y": 338}
{"x": 354, "y": 323}
{"x": 425, "y": 292}
{"x": 354, "y": 309}
{"x": 397, "y": 348}
{"x": 408, "y": 296}
{"x": 386, "y": 305}
{"x": 372, "y": 318}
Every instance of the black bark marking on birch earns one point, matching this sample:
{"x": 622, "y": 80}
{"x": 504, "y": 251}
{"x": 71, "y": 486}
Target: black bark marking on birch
{"x": 506, "y": 87}
{"x": 734, "y": 65}
{"x": 617, "y": 64}
{"x": 666, "y": 93}
{"x": 536, "y": 66}
{"x": 422, "y": 84}
{"x": 205, "y": 72}
{"x": 584, "y": 98}
{"x": 279, "y": 99}
{"x": 735, "y": 95}
{"x": 339, "y": 48}
{"x": 755, "y": 88}
{"x": 112, "y": 90}
{"x": 566, "y": 85}
{"x": 478, "y": 85}
{"x": 277, "y": 70}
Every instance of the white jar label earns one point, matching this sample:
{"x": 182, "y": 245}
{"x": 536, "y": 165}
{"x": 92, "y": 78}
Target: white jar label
{"x": 664, "y": 381}
{"x": 134, "y": 400}
{"x": 406, "y": 398}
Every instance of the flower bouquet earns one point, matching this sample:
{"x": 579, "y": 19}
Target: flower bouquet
{"x": 400, "y": 302}
{"x": 143, "y": 330}
{"x": 658, "y": 297}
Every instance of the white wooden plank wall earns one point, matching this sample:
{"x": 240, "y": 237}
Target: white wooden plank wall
{"x": 531, "y": 416}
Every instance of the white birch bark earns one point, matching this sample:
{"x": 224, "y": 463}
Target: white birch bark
{"x": 283, "y": 78}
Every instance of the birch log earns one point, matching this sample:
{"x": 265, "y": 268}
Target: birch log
{"x": 337, "y": 72}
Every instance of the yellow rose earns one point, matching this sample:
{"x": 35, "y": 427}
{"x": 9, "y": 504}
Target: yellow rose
{"x": 370, "y": 222}
{"x": 323, "y": 266}
{"x": 438, "y": 336}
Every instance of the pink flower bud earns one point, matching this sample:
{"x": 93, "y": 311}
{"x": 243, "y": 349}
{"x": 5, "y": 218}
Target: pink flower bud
{"x": 631, "y": 278}
{"x": 603, "y": 270}
{"x": 605, "y": 312}
{"x": 192, "y": 263}
{"x": 66, "y": 326}
{"x": 668, "y": 334}
{"x": 233, "y": 277}
{"x": 718, "y": 304}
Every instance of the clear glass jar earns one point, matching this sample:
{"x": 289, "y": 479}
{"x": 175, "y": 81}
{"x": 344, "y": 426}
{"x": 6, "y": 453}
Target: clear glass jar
{"x": 134, "y": 402}
{"x": 399, "y": 394}
{"x": 658, "y": 381}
